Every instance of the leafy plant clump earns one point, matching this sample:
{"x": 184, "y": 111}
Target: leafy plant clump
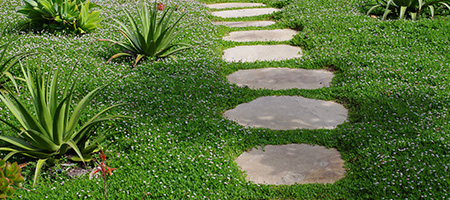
{"x": 415, "y": 8}
{"x": 10, "y": 177}
{"x": 54, "y": 128}
{"x": 155, "y": 37}
{"x": 73, "y": 15}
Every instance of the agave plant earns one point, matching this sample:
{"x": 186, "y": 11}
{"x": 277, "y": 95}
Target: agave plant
{"x": 155, "y": 38}
{"x": 62, "y": 14}
{"x": 54, "y": 128}
{"x": 413, "y": 7}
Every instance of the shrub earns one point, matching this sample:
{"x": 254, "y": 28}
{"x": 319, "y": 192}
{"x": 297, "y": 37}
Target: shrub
{"x": 74, "y": 15}
{"x": 54, "y": 128}
{"x": 413, "y": 7}
{"x": 155, "y": 38}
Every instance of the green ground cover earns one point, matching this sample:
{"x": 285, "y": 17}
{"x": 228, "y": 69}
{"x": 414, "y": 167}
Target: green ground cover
{"x": 392, "y": 75}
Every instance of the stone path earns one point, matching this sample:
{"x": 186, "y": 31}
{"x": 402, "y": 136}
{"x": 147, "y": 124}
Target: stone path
{"x": 292, "y": 163}
{"x": 244, "y": 12}
{"x": 288, "y": 112}
{"x": 261, "y": 53}
{"x": 281, "y": 78}
{"x": 233, "y": 5}
{"x": 261, "y": 35}
{"x": 245, "y": 23}
{"x": 281, "y": 164}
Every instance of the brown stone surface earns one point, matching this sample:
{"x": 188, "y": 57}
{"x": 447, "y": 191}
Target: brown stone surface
{"x": 244, "y": 12}
{"x": 254, "y": 53}
{"x": 261, "y": 35}
{"x": 292, "y": 163}
{"x": 245, "y": 23}
{"x": 281, "y": 78}
{"x": 288, "y": 112}
{"x": 233, "y": 5}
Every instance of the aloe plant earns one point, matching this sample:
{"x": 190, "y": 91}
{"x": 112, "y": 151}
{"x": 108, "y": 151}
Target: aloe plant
{"x": 154, "y": 39}
{"x": 54, "y": 128}
{"x": 414, "y": 7}
{"x": 75, "y": 15}
{"x": 10, "y": 177}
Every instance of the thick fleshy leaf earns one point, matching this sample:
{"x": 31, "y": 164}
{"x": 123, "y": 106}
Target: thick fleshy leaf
{"x": 37, "y": 171}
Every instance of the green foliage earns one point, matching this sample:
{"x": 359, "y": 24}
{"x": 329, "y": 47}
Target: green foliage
{"x": 7, "y": 63}
{"x": 10, "y": 177}
{"x": 302, "y": 40}
{"x": 74, "y": 15}
{"x": 154, "y": 39}
{"x": 400, "y": 8}
{"x": 53, "y": 128}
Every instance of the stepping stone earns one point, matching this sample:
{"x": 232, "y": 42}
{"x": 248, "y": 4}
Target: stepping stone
{"x": 244, "y": 12}
{"x": 288, "y": 113}
{"x": 233, "y": 5}
{"x": 261, "y": 35}
{"x": 245, "y": 23}
{"x": 292, "y": 163}
{"x": 261, "y": 53}
{"x": 281, "y": 78}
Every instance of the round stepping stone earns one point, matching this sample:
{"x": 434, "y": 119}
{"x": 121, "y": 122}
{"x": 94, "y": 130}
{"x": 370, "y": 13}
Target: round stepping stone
{"x": 245, "y": 23}
{"x": 244, "y": 12}
{"x": 288, "y": 113}
{"x": 261, "y": 35}
{"x": 233, "y": 5}
{"x": 281, "y": 78}
{"x": 292, "y": 163}
{"x": 261, "y": 53}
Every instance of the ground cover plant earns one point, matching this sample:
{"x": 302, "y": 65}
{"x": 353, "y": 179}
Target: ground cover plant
{"x": 392, "y": 75}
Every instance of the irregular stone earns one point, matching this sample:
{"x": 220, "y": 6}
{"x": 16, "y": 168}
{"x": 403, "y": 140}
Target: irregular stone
{"x": 245, "y": 23}
{"x": 261, "y": 35}
{"x": 233, "y": 5}
{"x": 261, "y": 53}
{"x": 281, "y": 78}
{"x": 74, "y": 172}
{"x": 288, "y": 112}
{"x": 292, "y": 163}
{"x": 244, "y": 12}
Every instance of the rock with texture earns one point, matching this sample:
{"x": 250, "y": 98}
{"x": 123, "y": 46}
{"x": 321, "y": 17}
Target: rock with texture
{"x": 245, "y": 23}
{"x": 292, "y": 163}
{"x": 244, "y": 12}
{"x": 233, "y": 5}
{"x": 281, "y": 78}
{"x": 261, "y": 35}
{"x": 288, "y": 112}
{"x": 261, "y": 53}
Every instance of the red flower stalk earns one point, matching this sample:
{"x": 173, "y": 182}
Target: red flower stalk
{"x": 102, "y": 166}
{"x": 105, "y": 169}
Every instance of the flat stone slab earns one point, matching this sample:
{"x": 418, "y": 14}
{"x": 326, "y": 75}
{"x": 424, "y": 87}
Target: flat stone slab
{"x": 261, "y": 35}
{"x": 261, "y": 53}
{"x": 245, "y": 23}
{"x": 288, "y": 113}
{"x": 292, "y": 163}
{"x": 281, "y": 78}
{"x": 233, "y": 5}
{"x": 244, "y": 12}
